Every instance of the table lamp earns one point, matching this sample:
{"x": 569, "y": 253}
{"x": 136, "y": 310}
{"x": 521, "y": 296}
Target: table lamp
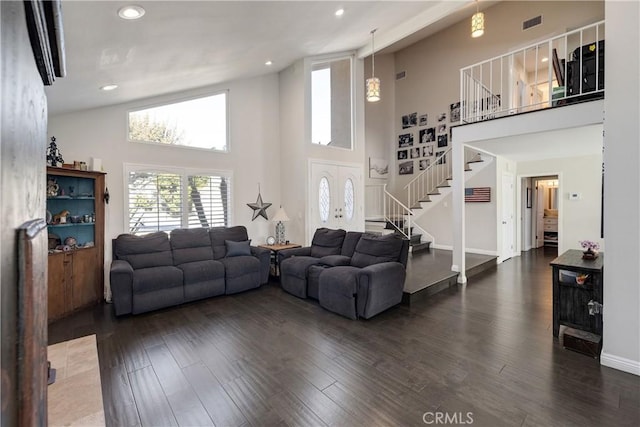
{"x": 279, "y": 218}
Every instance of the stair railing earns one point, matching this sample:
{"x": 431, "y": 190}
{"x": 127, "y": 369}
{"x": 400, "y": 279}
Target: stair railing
{"x": 395, "y": 213}
{"x": 428, "y": 181}
{"x": 434, "y": 176}
{"x": 380, "y": 204}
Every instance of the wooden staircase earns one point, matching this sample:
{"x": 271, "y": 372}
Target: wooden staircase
{"x": 424, "y": 189}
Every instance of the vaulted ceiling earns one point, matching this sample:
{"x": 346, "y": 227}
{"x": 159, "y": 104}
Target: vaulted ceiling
{"x": 180, "y": 45}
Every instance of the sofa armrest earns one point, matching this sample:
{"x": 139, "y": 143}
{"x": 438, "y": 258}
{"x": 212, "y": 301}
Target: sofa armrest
{"x": 380, "y": 287}
{"x": 288, "y": 253}
{"x": 121, "y": 278}
{"x": 335, "y": 260}
{"x": 264, "y": 256}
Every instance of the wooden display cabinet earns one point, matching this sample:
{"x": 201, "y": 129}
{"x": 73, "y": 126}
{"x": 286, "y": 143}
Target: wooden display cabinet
{"x": 76, "y": 275}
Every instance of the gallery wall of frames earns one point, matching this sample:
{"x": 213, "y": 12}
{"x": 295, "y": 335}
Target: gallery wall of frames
{"x": 424, "y": 137}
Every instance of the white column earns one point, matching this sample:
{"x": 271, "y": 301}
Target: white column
{"x": 457, "y": 196}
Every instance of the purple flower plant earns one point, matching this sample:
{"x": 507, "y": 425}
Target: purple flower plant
{"x": 589, "y": 245}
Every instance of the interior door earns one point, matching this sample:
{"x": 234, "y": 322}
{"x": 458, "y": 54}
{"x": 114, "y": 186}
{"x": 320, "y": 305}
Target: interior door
{"x": 335, "y": 197}
{"x": 508, "y": 234}
{"x": 540, "y": 204}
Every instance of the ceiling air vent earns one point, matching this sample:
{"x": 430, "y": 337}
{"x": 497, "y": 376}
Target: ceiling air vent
{"x": 533, "y": 22}
{"x": 401, "y": 75}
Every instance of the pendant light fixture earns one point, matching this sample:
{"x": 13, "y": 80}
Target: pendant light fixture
{"x": 477, "y": 23}
{"x": 373, "y": 83}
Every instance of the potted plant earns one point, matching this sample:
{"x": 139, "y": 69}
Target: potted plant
{"x": 590, "y": 249}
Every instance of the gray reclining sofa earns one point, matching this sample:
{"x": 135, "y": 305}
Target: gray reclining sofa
{"x": 350, "y": 273}
{"x": 156, "y": 271}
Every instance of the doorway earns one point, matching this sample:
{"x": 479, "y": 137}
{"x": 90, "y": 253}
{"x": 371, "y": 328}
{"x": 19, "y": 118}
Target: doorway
{"x": 336, "y": 197}
{"x": 541, "y": 216}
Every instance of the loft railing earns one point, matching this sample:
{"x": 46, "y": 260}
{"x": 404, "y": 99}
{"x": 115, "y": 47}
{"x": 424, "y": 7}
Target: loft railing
{"x": 557, "y": 71}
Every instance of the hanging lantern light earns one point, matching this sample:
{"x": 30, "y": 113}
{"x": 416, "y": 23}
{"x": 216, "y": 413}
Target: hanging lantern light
{"x": 477, "y": 23}
{"x": 373, "y": 83}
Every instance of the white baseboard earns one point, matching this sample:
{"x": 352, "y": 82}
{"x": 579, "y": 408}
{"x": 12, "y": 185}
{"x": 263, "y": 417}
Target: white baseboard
{"x": 620, "y": 363}
{"x": 443, "y": 247}
{"x": 470, "y": 250}
{"x": 482, "y": 252}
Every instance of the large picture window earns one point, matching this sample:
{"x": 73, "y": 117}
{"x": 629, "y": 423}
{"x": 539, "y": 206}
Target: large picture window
{"x": 331, "y": 102}
{"x": 196, "y": 123}
{"x": 164, "y": 199}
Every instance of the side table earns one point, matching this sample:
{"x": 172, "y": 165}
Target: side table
{"x": 274, "y": 254}
{"x": 570, "y": 298}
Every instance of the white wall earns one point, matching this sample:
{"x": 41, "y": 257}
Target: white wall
{"x": 479, "y": 219}
{"x": 577, "y": 219}
{"x": 254, "y": 155}
{"x": 621, "y": 320}
{"x": 379, "y": 135}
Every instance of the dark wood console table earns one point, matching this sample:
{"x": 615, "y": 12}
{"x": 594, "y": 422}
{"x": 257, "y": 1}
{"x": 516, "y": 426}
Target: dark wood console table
{"x": 571, "y": 299}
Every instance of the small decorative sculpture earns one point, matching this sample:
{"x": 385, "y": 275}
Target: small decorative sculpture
{"x": 61, "y": 218}
{"x": 259, "y": 207}
{"x": 54, "y": 158}
{"x": 52, "y": 187}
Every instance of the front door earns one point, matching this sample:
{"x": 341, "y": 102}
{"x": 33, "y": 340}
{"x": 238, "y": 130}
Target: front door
{"x": 335, "y": 197}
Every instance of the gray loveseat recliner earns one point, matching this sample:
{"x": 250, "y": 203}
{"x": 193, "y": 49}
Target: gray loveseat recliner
{"x": 154, "y": 271}
{"x": 351, "y": 273}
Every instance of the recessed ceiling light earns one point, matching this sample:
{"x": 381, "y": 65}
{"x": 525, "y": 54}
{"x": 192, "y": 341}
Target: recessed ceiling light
{"x": 107, "y": 88}
{"x": 131, "y": 12}
{"x": 545, "y": 59}
{"x": 268, "y": 63}
{"x": 340, "y": 12}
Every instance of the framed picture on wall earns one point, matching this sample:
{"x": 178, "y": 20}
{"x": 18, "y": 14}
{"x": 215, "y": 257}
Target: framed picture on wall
{"x": 454, "y": 112}
{"x": 427, "y": 135}
{"x": 422, "y": 120}
{"x": 405, "y": 140}
{"x": 406, "y": 168}
{"x": 424, "y": 163}
{"x": 443, "y": 140}
{"x": 442, "y": 128}
{"x": 415, "y": 153}
{"x": 427, "y": 150}
{"x": 409, "y": 120}
{"x": 378, "y": 168}
{"x": 403, "y": 154}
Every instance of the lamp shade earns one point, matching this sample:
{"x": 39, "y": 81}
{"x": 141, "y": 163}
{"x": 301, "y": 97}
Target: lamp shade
{"x": 280, "y": 216}
{"x": 373, "y": 89}
{"x": 477, "y": 24}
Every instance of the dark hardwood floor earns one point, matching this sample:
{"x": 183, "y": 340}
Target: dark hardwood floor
{"x": 267, "y": 358}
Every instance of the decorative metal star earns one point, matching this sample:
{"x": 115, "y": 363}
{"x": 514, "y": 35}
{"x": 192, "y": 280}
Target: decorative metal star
{"x": 259, "y": 208}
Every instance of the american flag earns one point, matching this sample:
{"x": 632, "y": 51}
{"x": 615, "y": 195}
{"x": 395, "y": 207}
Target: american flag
{"x": 477, "y": 194}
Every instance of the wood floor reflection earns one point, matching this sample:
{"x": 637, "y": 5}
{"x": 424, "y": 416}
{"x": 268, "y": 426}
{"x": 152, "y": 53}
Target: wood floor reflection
{"x": 267, "y": 358}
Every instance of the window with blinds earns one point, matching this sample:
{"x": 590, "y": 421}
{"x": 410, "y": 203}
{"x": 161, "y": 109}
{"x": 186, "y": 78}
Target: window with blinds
{"x": 164, "y": 200}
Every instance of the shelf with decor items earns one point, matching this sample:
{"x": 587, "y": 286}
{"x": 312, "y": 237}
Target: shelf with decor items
{"x": 75, "y": 223}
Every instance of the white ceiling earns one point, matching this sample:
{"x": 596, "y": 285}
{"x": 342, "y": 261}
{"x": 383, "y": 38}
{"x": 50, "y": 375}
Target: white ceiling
{"x": 558, "y": 144}
{"x": 180, "y": 45}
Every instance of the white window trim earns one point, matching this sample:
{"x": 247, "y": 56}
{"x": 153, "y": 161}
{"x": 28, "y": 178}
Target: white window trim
{"x": 183, "y": 172}
{"x": 308, "y": 68}
{"x": 168, "y": 101}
